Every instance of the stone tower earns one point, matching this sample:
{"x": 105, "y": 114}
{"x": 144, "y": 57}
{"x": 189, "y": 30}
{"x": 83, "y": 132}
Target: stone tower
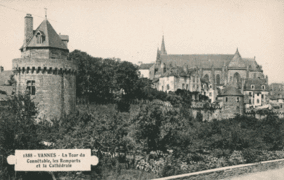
{"x": 44, "y": 71}
{"x": 233, "y": 102}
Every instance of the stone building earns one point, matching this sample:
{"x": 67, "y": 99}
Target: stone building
{"x": 256, "y": 92}
{"x": 44, "y": 71}
{"x": 277, "y": 92}
{"x": 218, "y": 70}
{"x": 232, "y": 102}
{"x": 175, "y": 78}
{"x": 144, "y": 70}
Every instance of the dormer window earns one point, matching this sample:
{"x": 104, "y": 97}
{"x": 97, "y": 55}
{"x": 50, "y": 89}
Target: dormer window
{"x": 40, "y": 38}
{"x": 263, "y": 87}
{"x": 252, "y": 87}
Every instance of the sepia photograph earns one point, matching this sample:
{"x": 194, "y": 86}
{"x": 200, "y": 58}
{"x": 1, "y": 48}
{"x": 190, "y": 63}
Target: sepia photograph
{"x": 141, "y": 90}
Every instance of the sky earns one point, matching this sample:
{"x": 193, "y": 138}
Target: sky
{"x": 133, "y": 30}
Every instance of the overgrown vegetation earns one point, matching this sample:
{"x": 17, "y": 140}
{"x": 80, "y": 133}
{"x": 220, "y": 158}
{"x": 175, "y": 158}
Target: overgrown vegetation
{"x": 156, "y": 138}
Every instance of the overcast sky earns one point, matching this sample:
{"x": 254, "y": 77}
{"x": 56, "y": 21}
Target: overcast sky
{"x": 132, "y": 30}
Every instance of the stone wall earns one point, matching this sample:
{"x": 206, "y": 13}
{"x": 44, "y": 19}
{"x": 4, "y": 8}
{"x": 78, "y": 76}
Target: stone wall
{"x": 232, "y": 72}
{"x": 45, "y": 53}
{"x": 55, "y": 84}
{"x": 231, "y": 106}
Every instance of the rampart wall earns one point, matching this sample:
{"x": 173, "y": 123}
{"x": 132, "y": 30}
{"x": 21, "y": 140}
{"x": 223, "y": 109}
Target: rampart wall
{"x": 54, "y": 81}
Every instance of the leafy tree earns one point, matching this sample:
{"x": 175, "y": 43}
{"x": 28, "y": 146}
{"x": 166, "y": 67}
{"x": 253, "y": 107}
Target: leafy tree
{"x": 127, "y": 79}
{"x": 18, "y": 129}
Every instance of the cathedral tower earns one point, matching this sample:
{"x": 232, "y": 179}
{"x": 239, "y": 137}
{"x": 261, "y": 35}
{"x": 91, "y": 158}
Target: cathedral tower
{"x": 44, "y": 72}
{"x": 163, "y": 47}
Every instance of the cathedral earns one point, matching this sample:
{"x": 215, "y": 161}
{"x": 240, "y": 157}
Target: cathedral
{"x": 207, "y": 74}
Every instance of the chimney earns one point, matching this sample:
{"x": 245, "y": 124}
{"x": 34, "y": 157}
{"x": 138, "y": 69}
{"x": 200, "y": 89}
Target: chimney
{"x": 28, "y": 28}
{"x": 64, "y": 38}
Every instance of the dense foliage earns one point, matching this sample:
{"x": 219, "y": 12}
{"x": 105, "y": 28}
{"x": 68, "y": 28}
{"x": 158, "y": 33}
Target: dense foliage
{"x": 158, "y": 136}
{"x": 102, "y": 80}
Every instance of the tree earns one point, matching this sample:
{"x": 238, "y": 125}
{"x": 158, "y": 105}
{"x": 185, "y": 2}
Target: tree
{"x": 18, "y": 129}
{"x": 127, "y": 79}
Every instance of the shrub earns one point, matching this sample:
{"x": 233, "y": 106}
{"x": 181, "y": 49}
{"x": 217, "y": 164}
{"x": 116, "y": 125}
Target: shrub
{"x": 237, "y": 158}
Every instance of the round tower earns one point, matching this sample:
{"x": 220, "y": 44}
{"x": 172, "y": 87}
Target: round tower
{"x": 233, "y": 102}
{"x": 44, "y": 72}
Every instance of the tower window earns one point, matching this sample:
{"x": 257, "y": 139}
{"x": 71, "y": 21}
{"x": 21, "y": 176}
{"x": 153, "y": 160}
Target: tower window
{"x": 226, "y": 99}
{"x": 168, "y": 87}
{"x": 238, "y": 99}
{"x": 31, "y": 87}
{"x": 252, "y": 87}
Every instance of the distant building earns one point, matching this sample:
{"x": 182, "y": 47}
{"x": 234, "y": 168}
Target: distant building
{"x": 214, "y": 71}
{"x": 144, "y": 70}
{"x": 256, "y": 92}
{"x": 6, "y": 89}
{"x": 277, "y": 92}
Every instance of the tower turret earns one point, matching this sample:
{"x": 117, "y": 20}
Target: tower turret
{"x": 44, "y": 71}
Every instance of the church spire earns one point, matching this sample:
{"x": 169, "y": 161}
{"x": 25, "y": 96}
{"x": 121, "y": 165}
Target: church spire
{"x": 163, "y": 48}
{"x": 158, "y": 60}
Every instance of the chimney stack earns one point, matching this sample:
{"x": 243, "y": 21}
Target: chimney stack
{"x": 28, "y": 28}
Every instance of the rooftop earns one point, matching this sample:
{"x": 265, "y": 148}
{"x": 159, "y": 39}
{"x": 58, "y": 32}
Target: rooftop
{"x": 52, "y": 39}
{"x": 231, "y": 91}
{"x": 146, "y": 66}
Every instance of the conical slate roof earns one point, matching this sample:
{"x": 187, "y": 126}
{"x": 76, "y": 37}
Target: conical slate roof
{"x": 52, "y": 39}
{"x": 237, "y": 61}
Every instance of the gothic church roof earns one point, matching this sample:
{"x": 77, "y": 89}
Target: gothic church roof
{"x": 52, "y": 39}
{"x": 237, "y": 61}
{"x": 206, "y": 61}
